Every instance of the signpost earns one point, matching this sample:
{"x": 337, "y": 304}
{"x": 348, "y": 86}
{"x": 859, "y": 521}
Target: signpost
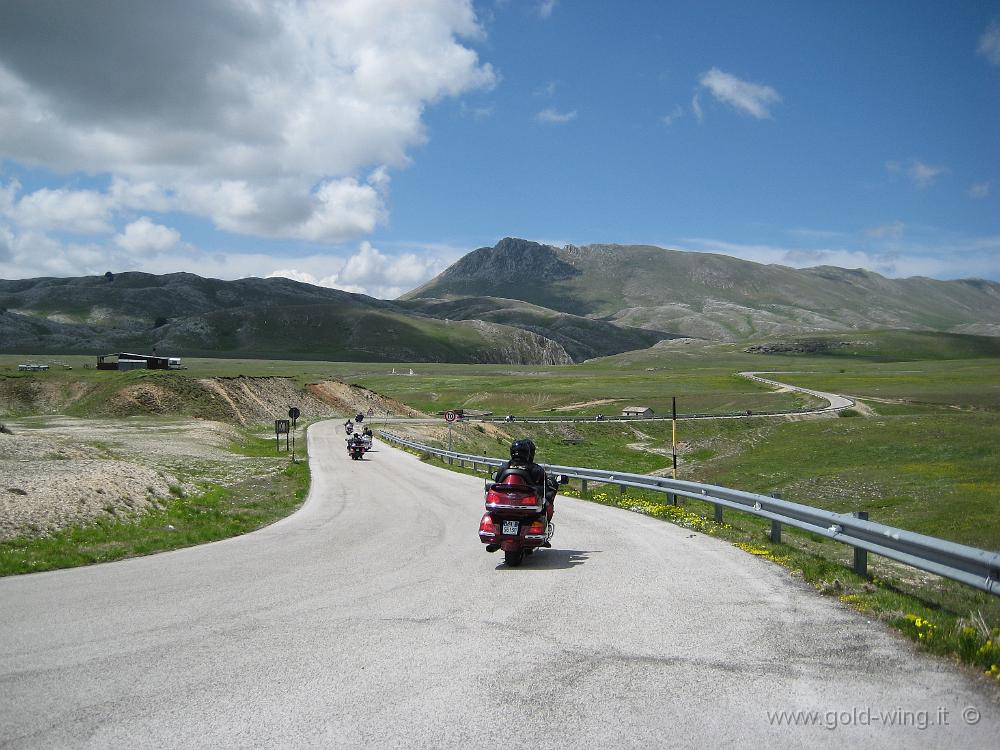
{"x": 280, "y": 428}
{"x": 673, "y": 450}
{"x": 294, "y": 413}
{"x": 450, "y": 417}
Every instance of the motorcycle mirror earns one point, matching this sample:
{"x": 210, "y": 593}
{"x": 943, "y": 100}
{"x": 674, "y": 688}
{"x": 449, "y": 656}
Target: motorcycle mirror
{"x": 562, "y": 479}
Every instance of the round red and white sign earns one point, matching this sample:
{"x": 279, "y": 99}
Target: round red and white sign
{"x": 450, "y": 416}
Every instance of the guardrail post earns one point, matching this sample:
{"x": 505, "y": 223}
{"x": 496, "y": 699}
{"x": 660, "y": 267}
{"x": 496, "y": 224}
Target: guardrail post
{"x": 672, "y": 498}
{"x": 861, "y": 555}
{"x": 583, "y": 487}
{"x": 776, "y": 525}
{"x": 718, "y": 513}
{"x": 621, "y": 489}
{"x": 461, "y": 462}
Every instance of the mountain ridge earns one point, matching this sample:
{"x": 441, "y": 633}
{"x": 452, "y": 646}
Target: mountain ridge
{"x": 714, "y": 296}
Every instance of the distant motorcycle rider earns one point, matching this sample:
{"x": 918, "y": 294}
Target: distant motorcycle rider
{"x": 522, "y": 457}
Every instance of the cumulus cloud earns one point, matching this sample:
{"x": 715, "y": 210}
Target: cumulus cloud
{"x": 147, "y": 246}
{"x": 749, "y": 98}
{"x": 6, "y": 243}
{"x": 554, "y": 116}
{"x": 989, "y": 44}
{"x": 269, "y": 119}
{"x": 77, "y": 211}
{"x": 144, "y": 237}
{"x": 372, "y": 272}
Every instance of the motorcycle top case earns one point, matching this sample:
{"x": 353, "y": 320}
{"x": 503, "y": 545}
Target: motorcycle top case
{"x": 512, "y": 497}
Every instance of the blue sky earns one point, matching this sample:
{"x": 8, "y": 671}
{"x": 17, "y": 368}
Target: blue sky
{"x": 366, "y": 145}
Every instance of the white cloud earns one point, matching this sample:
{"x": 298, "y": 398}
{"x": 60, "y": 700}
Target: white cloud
{"x": 923, "y": 175}
{"x": 554, "y": 116}
{"x": 143, "y": 237}
{"x": 372, "y": 272}
{"x": 750, "y": 98}
{"x": 78, "y": 211}
{"x": 546, "y": 91}
{"x": 696, "y": 107}
{"x": 675, "y": 114}
{"x": 545, "y": 8}
{"x": 947, "y": 258}
{"x": 6, "y": 244}
{"x": 262, "y": 117}
{"x": 979, "y": 190}
{"x": 893, "y": 230}
{"x": 989, "y": 44}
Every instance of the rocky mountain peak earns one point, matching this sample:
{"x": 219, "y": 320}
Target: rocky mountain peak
{"x": 509, "y": 260}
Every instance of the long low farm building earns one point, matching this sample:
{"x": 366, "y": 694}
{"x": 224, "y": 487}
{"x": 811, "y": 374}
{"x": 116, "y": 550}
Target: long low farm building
{"x": 128, "y": 361}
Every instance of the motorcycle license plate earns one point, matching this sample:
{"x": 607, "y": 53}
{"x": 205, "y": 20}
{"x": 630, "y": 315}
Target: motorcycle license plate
{"x": 510, "y": 528}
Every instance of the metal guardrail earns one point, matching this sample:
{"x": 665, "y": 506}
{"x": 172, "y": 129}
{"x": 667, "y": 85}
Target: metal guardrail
{"x": 969, "y": 565}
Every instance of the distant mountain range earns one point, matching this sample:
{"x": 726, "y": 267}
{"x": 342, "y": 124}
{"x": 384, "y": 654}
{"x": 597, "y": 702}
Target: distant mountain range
{"x": 182, "y": 314}
{"x": 519, "y": 302}
{"x": 708, "y": 296}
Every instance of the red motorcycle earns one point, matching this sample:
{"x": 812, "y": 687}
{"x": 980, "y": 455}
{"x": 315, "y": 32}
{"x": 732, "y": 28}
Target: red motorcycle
{"x": 515, "y": 520}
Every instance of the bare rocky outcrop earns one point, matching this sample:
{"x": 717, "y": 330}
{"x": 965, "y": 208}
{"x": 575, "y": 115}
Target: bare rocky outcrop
{"x": 518, "y": 347}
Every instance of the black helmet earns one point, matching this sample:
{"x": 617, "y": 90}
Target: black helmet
{"x": 522, "y": 451}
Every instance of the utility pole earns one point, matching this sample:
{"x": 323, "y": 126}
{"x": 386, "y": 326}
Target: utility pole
{"x": 673, "y": 420}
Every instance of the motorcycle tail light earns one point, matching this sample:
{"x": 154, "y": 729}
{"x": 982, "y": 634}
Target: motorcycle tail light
{"x": 486, "y": 526}
{"x": 536, "y": 527}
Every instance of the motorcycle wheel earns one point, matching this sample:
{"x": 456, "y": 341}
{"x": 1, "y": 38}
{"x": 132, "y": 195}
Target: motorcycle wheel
{"x": 513, "y": 559}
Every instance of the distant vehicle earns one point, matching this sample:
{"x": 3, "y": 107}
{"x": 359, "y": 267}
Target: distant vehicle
{"x": 32, "y": 367}
{"x": 509, "y": 418}
{"x": 174, "y": 363}
{"x": 599, "y": 418}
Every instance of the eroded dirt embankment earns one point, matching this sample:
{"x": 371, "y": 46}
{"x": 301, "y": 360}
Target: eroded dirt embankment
{"x": 118, "y": 447}
{"x": 239, "y": 400}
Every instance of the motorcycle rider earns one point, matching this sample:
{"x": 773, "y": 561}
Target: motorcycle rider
{"x": 355, "y": 440}
{"x": 522, "y": 456}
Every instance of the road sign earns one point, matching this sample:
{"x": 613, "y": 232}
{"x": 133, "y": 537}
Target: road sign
{"x": 294, "y": 412}
{"x": 450, "y": 416}
{"x": 371, "y": 411}
{"x": 281, "y": 426}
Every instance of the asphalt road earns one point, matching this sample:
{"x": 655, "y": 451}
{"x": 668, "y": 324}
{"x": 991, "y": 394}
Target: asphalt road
{"x": 373, "y": 617}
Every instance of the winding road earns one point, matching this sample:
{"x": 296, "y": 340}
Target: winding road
{"x": 373, "y": 617}
{"x": 835, "y": 401}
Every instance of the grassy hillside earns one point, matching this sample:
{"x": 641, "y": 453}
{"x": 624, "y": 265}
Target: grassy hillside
{"x": 187, "y": 315}
{"x": 884, "y": 346}
{"x": 582, "y": 338}
{"x": 712, "y": 296}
